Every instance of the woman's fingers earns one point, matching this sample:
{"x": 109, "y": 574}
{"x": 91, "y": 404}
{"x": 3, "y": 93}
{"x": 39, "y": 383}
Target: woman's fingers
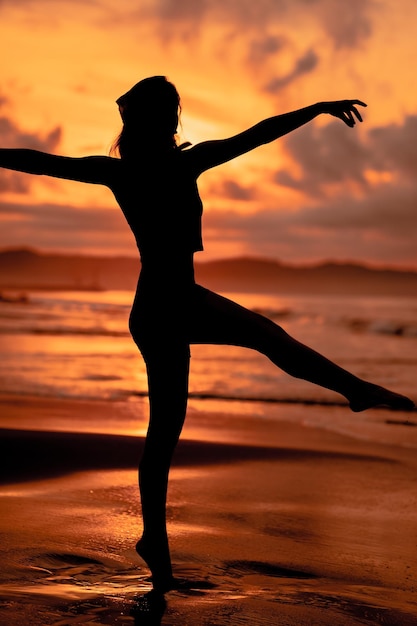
{"x": 348, "y": 111}
{"x": 350, "y": 117}
{"x": 345, "y": 115}
{"x": 362, "y": 104}
{"x": 354, "y": 109}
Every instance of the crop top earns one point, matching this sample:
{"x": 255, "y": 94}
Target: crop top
{"x": 161, "y": 204}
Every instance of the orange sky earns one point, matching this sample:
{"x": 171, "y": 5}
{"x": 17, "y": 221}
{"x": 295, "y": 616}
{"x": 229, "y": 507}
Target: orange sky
{"x": 323, "y": 192}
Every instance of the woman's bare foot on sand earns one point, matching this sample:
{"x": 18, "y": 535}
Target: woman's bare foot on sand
{"x": 157, "y": 558}
{"x": 373, "y": 395}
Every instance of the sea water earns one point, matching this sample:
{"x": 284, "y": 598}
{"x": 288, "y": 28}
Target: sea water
{"x": 77, "y": 345}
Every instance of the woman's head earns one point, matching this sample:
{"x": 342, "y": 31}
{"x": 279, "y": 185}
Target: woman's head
{"x": 150, "y": 112}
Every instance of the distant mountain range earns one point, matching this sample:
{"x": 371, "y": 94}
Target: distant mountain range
{"x": 26, "y": 269}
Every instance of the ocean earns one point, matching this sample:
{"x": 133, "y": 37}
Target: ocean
{"x": 77, "y": 345}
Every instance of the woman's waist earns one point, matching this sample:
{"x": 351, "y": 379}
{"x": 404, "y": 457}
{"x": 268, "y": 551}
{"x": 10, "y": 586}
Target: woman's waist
{"x": 160, "y": 297}
{"x": 168, "y": 269}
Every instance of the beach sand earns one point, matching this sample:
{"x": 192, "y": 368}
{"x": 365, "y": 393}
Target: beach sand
{"x": 287, "y": 525}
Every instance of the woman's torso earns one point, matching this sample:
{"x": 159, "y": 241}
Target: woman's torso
{"x": 159, "y": 198}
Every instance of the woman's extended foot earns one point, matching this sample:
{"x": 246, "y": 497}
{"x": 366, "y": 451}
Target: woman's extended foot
{"x": 373, "y": 395}
{"x": 157, "y": 558}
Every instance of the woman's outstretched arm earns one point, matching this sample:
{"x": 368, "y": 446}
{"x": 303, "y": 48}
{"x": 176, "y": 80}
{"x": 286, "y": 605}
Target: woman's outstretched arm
{"x": 211, "y": 153}
{"x": 94, "y": 169}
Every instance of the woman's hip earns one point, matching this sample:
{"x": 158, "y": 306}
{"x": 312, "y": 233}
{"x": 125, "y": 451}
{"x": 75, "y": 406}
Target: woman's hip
{"x": 161, "y": 319}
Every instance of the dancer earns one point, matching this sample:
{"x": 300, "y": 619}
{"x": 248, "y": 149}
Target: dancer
{"x": 154, "y": 182}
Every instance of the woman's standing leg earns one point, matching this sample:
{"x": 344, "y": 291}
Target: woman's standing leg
{"x": 168, "y": 371}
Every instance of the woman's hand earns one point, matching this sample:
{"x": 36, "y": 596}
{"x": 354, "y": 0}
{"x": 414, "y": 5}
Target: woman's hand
{"x": 345, "y": 110}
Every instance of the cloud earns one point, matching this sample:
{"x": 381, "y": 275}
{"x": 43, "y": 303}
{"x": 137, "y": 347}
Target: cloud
{"x": 73, "y": 229}
{"x": 234, "y": 191}
{"x": 347, "y": 24}
{"x": 194, "y": 15}
{"x": 382, "y": 227}
{"x": 262, "y": 48}
{"x": 394, "y": 147}
{"x": 388, "y": 209}
{"x": 24, "y": 3}
{"x": 331, "y": 155}
{"x": 303, "y": 65}
{"x": 11, "y": 136}
{"x": 185, "y": 10}
{"x": 324, "y": 156}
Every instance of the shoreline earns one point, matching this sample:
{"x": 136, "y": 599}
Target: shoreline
{"x": 62, "y": 449}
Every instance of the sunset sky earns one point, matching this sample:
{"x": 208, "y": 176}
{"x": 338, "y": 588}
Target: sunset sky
{"x": 323, "y": 192}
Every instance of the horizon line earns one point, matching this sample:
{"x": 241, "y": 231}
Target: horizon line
{"x": 371, "y": 265}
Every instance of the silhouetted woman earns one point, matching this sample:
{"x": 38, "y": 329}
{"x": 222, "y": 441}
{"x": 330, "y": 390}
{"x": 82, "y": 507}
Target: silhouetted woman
{"x": 155, "y": 184}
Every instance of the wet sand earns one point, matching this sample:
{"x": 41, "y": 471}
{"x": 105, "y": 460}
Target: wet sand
{"x": 306, "y": 527}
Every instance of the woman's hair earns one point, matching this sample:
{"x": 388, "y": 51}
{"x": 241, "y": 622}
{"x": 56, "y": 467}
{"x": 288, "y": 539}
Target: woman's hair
{"x": 150, "y": 113}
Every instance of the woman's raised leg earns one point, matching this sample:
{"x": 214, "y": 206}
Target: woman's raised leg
{"x": 168, "y": 372}
{"x": 218, "y": 320}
